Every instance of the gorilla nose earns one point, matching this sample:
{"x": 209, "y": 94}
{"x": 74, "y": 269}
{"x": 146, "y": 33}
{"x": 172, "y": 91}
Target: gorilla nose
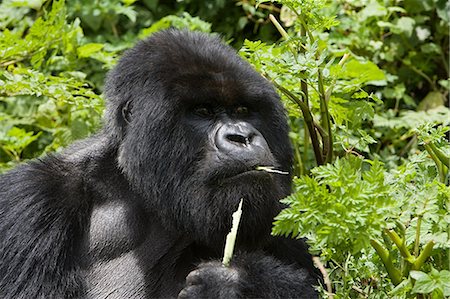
{"x": 241, "y": 141}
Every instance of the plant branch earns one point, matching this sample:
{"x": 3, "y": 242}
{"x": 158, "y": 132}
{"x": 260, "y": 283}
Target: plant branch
{"x": 308, "y": 118}
{"x": 332, "y": 85}
{"x": 325, "y": 119}
{"x": 422, "y": 74}
{"x": 401, "y": 245}
{"x": 326, "y": 277}
{"x": 393, "y": 272}
{"x": 417, "y": 239}
{"x": 440, "y": 155}
{"x": 424, "y": 255}
{"x": 440, "y": 166}
{"x": 304, "y": 89}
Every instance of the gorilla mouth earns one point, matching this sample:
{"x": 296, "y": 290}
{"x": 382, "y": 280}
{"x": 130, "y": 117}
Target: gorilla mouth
{"x": 251, "y": 172}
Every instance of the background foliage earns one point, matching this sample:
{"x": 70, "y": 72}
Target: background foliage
{"x": 366, "y": 86}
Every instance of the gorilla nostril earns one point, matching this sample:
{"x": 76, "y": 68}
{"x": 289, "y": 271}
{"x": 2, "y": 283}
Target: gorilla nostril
{"x": 238, "y": 139}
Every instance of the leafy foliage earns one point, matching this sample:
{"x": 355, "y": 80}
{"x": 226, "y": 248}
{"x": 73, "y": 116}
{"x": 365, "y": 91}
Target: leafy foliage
{"x": 45, "y": 103}
{"x": 338, "y": 209}
{"x": 374, "y": 224}
{"x": 357, "y": 215}
{"x": 409, "y": 38}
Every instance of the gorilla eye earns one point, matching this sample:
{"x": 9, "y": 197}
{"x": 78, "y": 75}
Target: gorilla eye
{"x": 241, "y": 110}
{"x": 204, "y": 111}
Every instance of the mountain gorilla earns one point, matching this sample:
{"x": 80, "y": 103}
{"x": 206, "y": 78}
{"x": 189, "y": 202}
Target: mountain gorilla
{"x": 142, "y": 209}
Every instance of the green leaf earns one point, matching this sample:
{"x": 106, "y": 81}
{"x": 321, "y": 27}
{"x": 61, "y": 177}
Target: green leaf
{"x": 437, "y": 282}
{"x": 405, "y": 25}
{"x": 128, "y": 2}
{"x": 362, "y": 72}
{"x": 373, "y": 9}
{"x": 88, "y": 49}
{"x": 444, "y": 277}
{"x": 402, "y": 288}
{"x": 423, "y": 284}
{"x": 432, "y": 100}
{"x": 443, "y": 10}
{"x": 181, "y": 22}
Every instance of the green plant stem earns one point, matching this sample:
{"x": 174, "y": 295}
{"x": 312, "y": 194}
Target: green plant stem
{"x": 390, "y": 236}
{"x": 6, "y": 63}
{"x": 325, "y": 120}
{"x": 280, "y": 28}
{"x": 444, "y": 60}
{"x": 439, "y": 154}
{"x": 300, "y": 165}
{"x": 332, "y": 85}
{"x": 323, "y": 135}
{"x": 417, "y": 239}
{"x": 401, "y": 227}
{"x": 12, "y": 154}
{"x": 424, "y": 255}
{"x": 307, "y": 116}
{"x": 283, "y": 33}
{"x": 324, "y": 113}
{"x": 302, "y": 21}
{"x": 401, "y": 245}
{"x": 323, "y": 103}
{"x": 393, "y": 272}
{"x": 304, "y": 89}
{"x": 437, "y": 161}
{"x": 306, "y": 139}
{"x": 327, "y": 152}
{"x": 422, "y": 74}
{"x": 303, "y": 83}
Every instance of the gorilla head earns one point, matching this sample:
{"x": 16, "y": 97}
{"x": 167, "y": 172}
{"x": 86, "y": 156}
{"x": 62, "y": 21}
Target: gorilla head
{"x": 192, "y": 121}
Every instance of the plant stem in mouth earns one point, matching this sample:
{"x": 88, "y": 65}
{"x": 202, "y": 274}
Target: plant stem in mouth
{"x": 271, "y": 170}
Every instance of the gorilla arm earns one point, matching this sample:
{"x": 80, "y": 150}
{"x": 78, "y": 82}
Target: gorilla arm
{"x": 38, "y": 222}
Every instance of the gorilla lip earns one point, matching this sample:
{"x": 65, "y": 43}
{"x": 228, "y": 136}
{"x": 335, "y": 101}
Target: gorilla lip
{"x": 249, "y": 172}
{"x": 255, "y": 171}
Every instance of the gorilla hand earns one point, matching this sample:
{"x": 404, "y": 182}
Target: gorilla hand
{"x": 250, "y": 275}
{"x": 212, "y": 280}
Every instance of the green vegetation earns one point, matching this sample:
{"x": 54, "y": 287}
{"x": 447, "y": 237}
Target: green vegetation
{"x": 365, "y": 83}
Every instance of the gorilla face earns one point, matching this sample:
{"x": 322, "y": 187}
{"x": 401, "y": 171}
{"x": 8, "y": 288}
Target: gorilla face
{"x": 193, "y": 121}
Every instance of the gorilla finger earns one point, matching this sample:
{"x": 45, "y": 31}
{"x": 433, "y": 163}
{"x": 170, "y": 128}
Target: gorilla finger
{"x": 190, "y": 292}
{"x": 194, "y": 278}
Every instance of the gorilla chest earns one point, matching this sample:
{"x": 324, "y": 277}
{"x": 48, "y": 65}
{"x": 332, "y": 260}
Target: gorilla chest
{"x": 110, "y": 263}
{"x": 127, "y": 254}
{"x": 115, "y": 228}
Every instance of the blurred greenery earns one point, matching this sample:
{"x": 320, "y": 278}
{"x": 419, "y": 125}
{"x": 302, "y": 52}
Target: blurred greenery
{"x": 366, "y": 86}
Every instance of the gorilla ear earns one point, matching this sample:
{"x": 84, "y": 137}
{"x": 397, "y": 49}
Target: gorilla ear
{"x": 126, "y": 111}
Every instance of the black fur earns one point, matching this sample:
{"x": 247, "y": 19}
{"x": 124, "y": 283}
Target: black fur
{"x": 141, "y": 210}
